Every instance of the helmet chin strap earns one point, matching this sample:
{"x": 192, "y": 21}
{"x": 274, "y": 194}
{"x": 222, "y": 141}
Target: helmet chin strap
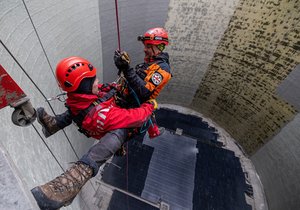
{"x": 149, "y": 59}
{"x": 153, "y": 50}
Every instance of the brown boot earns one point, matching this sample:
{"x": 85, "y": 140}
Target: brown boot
{"x": 47, "y": 121}
{"x": 63, "y": 189}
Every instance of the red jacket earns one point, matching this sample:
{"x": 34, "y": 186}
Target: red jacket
{"x": 107, "y": 116}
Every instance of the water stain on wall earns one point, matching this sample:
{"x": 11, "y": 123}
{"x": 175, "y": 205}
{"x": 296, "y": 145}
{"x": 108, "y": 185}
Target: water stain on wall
{"x": 195, "y": 29}
{"x": 259, "y": 49}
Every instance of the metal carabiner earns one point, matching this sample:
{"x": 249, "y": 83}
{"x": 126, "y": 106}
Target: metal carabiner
{"x": 58, "y": 97}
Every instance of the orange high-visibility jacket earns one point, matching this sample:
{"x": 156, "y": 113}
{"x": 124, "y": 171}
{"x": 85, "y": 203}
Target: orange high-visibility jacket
{"x": 148, "y": 79}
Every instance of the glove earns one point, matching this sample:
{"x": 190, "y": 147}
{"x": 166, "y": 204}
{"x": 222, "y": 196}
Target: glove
{"x": 153, "y": 102}
{"x": 122, "y": 60}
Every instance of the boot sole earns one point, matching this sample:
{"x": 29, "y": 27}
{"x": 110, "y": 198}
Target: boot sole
{"x": 43, "y": 202}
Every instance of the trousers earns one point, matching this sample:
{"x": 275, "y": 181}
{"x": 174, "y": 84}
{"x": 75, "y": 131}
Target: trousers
{"x": 100, "y": 152}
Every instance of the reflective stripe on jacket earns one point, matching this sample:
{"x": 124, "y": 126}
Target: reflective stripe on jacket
{"x": 107, "y": 116}
{"x": 147, "y": 80}
{"x": 156, "y": 79}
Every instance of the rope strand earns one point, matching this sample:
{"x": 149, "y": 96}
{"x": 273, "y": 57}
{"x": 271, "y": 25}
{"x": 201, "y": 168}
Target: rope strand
{"x": 41, "y": 92}
{"x": 118, "y": 29}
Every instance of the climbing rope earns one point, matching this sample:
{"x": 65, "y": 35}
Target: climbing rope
{"x": 41, "y": 92}
{"x": 124, "y": 83}
{"x": 144, "y": 128}
{"x": 46, "y": 145}
{"x": 118, "y": 28}
{"x": 121, "y": 78}
{"x": 43, "y": 95}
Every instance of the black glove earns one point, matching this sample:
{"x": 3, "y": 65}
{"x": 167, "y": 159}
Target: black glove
{"x": 122, "y": 60}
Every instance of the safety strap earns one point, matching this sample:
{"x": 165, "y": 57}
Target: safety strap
{"x": 144, "y": 38}
{"x": 78, "y": 119}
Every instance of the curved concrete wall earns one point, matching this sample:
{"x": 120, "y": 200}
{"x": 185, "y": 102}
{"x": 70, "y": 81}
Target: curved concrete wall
{"x": 245, "y": 91}
{"x": 233, "y": 61}
{"x": 38, "y": 34}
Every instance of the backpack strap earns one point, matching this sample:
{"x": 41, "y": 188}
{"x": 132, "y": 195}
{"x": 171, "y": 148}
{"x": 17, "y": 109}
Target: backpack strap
{"x": 78, "y": 119}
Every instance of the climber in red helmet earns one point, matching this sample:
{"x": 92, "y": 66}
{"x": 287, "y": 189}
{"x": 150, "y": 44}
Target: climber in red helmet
{"x": 93, "y": 108}
{"x": 147, "y": 80}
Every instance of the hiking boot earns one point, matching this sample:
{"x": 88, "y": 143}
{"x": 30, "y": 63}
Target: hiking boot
{"x": 155, "y": 131}
{"x": 48, "y": 122}
{"x": 63, "y": 189}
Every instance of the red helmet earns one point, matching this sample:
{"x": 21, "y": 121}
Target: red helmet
{"x": 155, "y": 36}
{"x": 71, "y": 71}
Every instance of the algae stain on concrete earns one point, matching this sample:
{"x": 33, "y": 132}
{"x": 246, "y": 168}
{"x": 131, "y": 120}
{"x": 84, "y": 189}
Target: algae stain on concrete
{"x": 255, "y": 55}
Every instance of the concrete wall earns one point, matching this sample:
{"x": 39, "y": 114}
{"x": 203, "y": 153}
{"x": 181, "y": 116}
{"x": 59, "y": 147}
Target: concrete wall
{"x": 231, "y": 60}
{"x": 257, "y": 52}
{"x": 38, "y": 34}
{"x": 195, "y": 29}
{"x": 235, "y": 62}
{"x": 278, "y": 165}
{"x": 135, "y": 17}
{"x": 13, "y": 194}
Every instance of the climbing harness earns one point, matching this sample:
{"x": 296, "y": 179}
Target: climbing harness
{"x": 121, "y": 80}
{"x": 78, "y": 119}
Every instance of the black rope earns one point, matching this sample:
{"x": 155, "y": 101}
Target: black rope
{"x": 48, "y": 147}
{"x": 24, "y": 71}
{"x": 28, "y": 76}
{"x": 56, "y": 159}
{"x": 47, "y": 58}
{"x": 41, "y": 92}
{"x": 38, "y": 37}
{"x": 40, "y": 41}
{"x": 22, "y": 68}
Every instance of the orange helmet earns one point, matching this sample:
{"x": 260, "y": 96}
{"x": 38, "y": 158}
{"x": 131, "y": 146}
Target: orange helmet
{"x": 71, "y": 71}
{"x": 155, "y": 36}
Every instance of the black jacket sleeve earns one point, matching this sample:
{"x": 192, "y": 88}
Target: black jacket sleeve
{"x": 137, "y": 84}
